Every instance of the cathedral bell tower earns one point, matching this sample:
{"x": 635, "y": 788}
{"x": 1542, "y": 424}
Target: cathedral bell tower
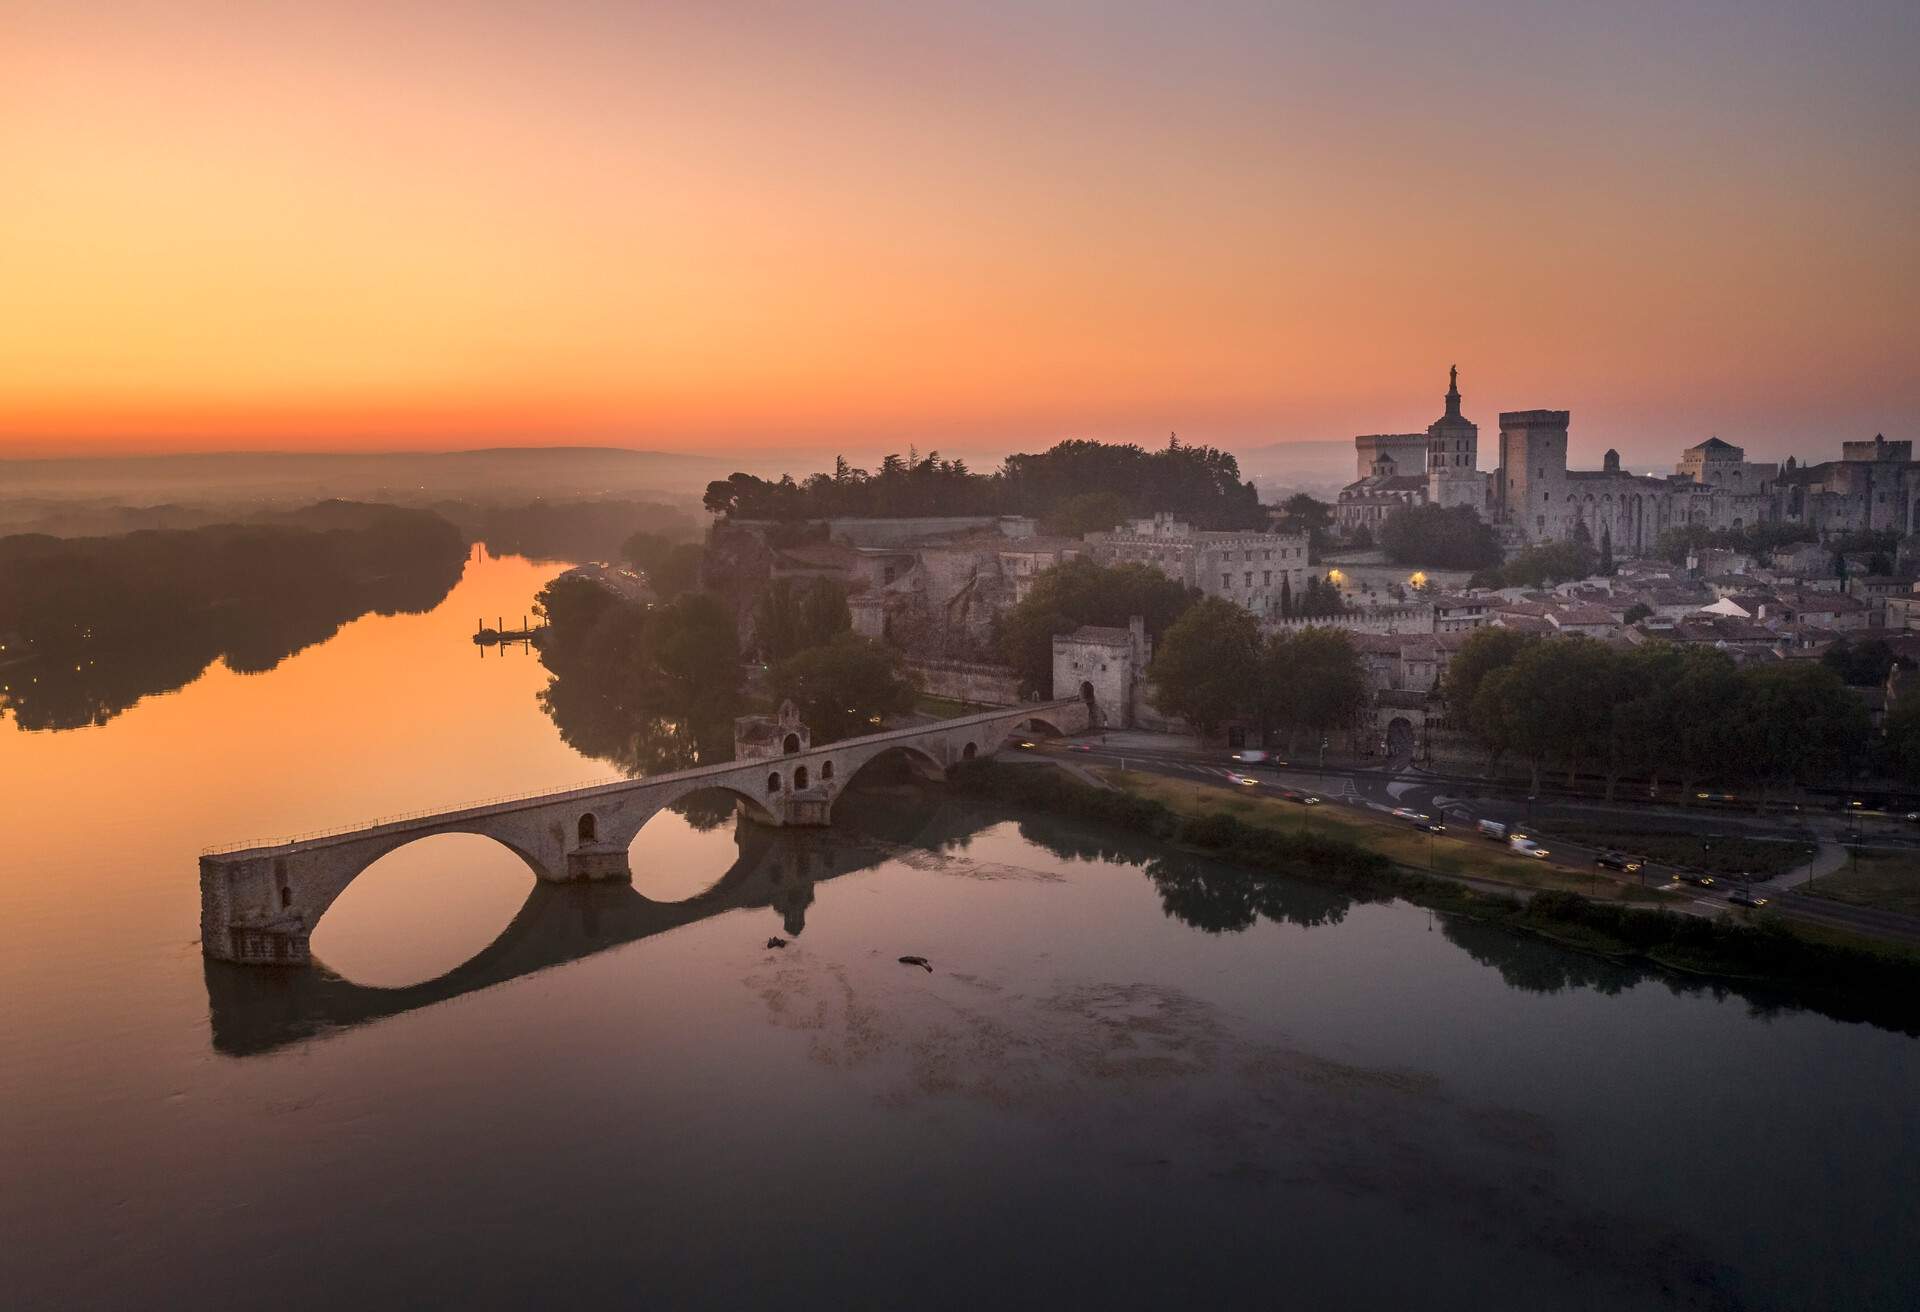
{"x": 1453, "y": 455}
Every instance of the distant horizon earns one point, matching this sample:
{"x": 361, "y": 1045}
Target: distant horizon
{"x": 806, "y": 461}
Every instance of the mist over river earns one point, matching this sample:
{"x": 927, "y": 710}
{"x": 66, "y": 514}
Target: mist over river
{"x": 1126, "y": 1081}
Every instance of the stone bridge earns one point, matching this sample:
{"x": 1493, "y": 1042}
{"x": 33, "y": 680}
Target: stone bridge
{"x": 259, "y": 904}
{"x": 776, "y": 870}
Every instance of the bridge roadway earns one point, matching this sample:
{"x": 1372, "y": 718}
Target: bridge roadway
{"x": 259, "y": 903}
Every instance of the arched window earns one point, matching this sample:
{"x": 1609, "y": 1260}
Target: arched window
{"x": 826, "y": 769}
{"x": 773, "y": 783}
{"x": 588, "y": 828}
{"x": 968, "y": 752}
{"x": 800, "y": 777}
{"x": 792, "y": 744}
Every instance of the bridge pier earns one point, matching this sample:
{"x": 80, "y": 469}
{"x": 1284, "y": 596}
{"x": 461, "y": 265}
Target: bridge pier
{"x": 599, "y": 861}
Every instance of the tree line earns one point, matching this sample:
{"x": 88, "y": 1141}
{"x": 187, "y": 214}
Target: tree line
{"x": 1076, "y": 484}
{"x": 1656, "y": 711}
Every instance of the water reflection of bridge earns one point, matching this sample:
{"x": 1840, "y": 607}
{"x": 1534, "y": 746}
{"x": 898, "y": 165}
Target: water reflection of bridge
{"x": 257, "y": 1011}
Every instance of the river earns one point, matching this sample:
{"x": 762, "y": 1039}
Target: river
{"x": 1123, "y": 1083}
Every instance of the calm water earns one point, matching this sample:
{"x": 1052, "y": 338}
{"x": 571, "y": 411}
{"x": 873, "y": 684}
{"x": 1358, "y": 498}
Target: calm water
{"x": 1124, "y": 1083}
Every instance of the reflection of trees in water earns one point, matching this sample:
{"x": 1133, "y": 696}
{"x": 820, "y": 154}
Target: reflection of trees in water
{"x": 1228, "y": 899}
{"x": 1536, "y": 965}
{"x": 650, "y": 690}
{"x": 108, "y": 621}
{"x": 621, "y": 726}
{"x": 1205, "y": 894}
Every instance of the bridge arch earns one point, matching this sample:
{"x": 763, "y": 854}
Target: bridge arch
{"x": 919, "y": 759}
{"x": 381, "y": 919}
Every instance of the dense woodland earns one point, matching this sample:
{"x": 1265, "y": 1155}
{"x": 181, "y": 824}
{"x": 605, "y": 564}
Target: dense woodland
{"x": 1076, "y": 486}
{"x": 88, "y": 626}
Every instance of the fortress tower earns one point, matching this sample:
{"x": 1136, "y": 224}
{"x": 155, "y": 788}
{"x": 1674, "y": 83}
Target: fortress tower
{"x": 1532, "y": 491}
{"x": 1453, "y": 455}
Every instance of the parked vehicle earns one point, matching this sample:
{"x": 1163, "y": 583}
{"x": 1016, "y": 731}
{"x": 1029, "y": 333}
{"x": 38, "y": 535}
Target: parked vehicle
{"x": 1617, "y": 861}
{"x": 1527, "y": 847}
{"x": 1492, "y": 829}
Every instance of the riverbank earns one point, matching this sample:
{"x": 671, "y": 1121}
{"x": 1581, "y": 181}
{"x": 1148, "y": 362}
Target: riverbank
{"x": 1848, "y": 977}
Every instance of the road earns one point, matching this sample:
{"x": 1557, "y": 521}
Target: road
{"x": 1399, "y": 784}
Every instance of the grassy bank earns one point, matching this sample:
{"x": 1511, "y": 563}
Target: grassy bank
{"x": 1853, "y": 978}
{"x": 1724, "y": 854}
{"x": 1888, "y": 880}
{"x": 1460, "y": 854}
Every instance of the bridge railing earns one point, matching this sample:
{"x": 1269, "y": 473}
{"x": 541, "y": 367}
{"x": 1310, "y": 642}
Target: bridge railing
{"x": 399, "y": 817}
{"x": 617, "y": 781}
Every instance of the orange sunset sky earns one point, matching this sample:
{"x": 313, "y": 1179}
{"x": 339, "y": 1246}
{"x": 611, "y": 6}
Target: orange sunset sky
{"x": 720, "y": 226}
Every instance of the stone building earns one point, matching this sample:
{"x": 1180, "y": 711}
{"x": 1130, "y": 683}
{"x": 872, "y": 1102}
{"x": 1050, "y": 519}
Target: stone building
{"x": 1245, "y": 566}
{"x": 1534, "y": 496}
{"x": 1106, "y": 668}
{"x": 1439, "y": 467}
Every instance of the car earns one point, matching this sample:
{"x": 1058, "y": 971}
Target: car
{"x": 1265, "y": 760}
{"x": 1527, "y": 847}
{"x": 1430, "y": 826}
{"x": 1408, "y": 813}
{"x": 1714, "y": 797}
{"x": 1742, "y": 897}
{"x": 1697, "y": 877}
{"x": 1305, "y": 799}
{"x": 1245, "y": 779}
{"x": 1617, "y": 861}
{"x": 1913, "y": 817}
{"x": 1492, "y": 829}
{"x": 1079, "y": 747}
{"x": 1023, "y": 743}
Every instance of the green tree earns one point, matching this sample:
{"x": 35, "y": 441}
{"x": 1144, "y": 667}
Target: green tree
{"x": 1304, "y": 514}
{"x": 1206, "y": 667}
{"x": 794, "y": 615}
{"x": 1703, "y": 718}
{"x": 1313, "y": 679}
{"x": 671, "y": 567}
{"x": 1902, "y": 736}
{"x": 844, "y": 686}
{"x": 1079, "y": 592}
{"x": 1864, "y": 665}
{"x": 1087, "y": 512}
{"x": 1798, "y": 722}
{"x": 1485, "y": 650}
{"x": 1446, "y": 537}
